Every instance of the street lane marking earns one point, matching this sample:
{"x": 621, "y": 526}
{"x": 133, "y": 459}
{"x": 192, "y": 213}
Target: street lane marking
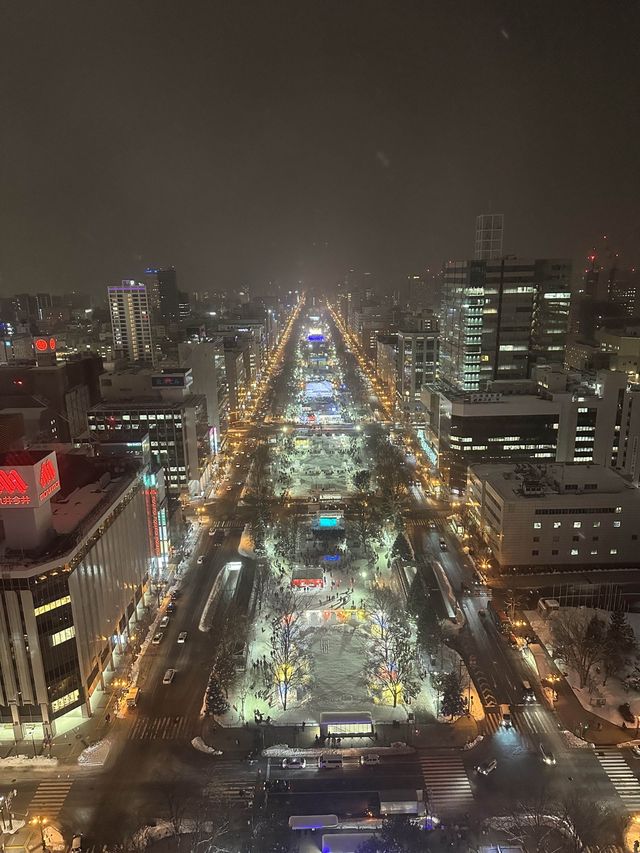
{"x": 621, "y": 777}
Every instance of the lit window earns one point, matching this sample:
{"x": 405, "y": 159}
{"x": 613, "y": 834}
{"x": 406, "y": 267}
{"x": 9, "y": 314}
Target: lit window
{"x": 618, "y": 509}
{"x": 613, "y": 551}
{"x": 574, "y": 552}
{"x": 596, "y": 524}
{"x": 557, "y": 524}
{"x": 62, "y": 636}
{"x": 617, "y": 523}
{"x": 537, "y": 525}
{"x": 577, "y": 524}
{"x": 594, "y": 552}
{"x": 52, "y": 605}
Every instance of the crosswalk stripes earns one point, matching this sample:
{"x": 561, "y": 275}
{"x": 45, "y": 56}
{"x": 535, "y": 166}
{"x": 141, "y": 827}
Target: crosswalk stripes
{"x": 621, "y": 777}
{"x": 49, "y": 798}
{"x": 160, "y": 728}
{"x": 234, "y": 789}
{"x": 446, "y": 781}
{"x": 532, "y": 721}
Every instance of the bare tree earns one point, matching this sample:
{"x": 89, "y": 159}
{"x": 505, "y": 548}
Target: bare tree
{"x": 579, "y": 637}
{"x": 290, "y": 664}
{"x": 391, "y": 660}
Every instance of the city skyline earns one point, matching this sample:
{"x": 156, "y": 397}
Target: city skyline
{"x": 254, "y": 144}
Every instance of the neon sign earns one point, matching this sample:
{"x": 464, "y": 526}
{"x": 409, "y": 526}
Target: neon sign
{"x": 29, "y": 485}
{"x": 11, "y": 482}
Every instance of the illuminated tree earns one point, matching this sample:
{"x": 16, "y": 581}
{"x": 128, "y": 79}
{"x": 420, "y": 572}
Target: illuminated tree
{"x": 289, "y": 664}
{"x": 391, "y": 660}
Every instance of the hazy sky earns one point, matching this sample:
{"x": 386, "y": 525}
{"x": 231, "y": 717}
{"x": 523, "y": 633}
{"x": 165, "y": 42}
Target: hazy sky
{"x": 248, "y": 141}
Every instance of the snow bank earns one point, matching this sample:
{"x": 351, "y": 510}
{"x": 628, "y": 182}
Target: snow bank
{"x": 576, "y": 742}
{"x": 283, "y": 750}
{"x": 28, "y": 761}
{"x": 96, "y": 754}
{"x": 201, "y": 746}
{"x": 473, "y": 742}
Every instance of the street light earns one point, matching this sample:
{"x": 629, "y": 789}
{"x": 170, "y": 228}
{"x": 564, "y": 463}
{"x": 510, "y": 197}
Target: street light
{"x": 41, "y": 822}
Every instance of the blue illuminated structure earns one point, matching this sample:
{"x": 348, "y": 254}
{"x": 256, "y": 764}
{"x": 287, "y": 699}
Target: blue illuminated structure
{"x": 315, "y": 337}
{"x": 326, "y": 521}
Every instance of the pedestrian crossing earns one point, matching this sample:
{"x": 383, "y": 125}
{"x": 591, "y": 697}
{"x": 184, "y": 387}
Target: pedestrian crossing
{"x": 621, "y": 777}
{"x": 49, "y": 798}
{"x": 532, "y": 720}
{"x": 228, "y": 524}
{"x": 234, "y": 789}
{"x": 446, "y": 782}
{"x": 161, "y": 728}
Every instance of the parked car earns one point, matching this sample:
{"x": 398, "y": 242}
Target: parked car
{"x": 200, "y": 560}
{"x": 157, "y": 638}
{"x": 164, "y": 622}
{"x": 487, "y": 767}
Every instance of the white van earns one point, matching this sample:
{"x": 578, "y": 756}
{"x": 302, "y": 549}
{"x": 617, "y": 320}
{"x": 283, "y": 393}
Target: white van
{"x": 330, "y": 762}
{"x": 505, "y": 713}
{"x": 370, "y": 758}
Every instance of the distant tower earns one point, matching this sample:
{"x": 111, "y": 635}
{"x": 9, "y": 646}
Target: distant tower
{"x": 131, "y": 322}
{"x": 164, "y": 296}
{"x": 489, "y": 230}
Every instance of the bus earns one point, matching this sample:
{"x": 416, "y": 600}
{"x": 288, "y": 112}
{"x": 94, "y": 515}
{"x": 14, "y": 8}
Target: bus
{"x": 133, "y": 697}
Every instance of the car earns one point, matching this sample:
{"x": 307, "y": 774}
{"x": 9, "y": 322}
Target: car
{"x": 487, "y": 767}
{"x": 370, "y": 758}
{"x": 157, "y": 638}
{"x": 482, "y": 613}
{"x": 626, "y": 713}
{"x": 175, "y": 594}
{"x": 547, "y": 756}
{"x": 182, "y": 637}
{"x": 431, "y": 524}
{"x": 164, "y": 622}
{"x": 294, "y": 763}
{"x": 229, "y": 488}
{"x": 635, "y": 751}
{"x": 443, "y": 545}
{"x": 212, "y": 531}
{"x": 169, "y": 675}
{"x": 200, "y": 560}
{"x": 171, "y": 607}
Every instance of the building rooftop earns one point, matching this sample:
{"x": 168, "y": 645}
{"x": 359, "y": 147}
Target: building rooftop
{"x": 561, "y": 481}
{"x": 89, "y": 486}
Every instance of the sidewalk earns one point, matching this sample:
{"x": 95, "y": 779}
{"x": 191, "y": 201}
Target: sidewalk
{"x": 421, "y": 736}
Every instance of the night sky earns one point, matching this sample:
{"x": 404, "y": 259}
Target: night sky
{"x": 248, "y": 141}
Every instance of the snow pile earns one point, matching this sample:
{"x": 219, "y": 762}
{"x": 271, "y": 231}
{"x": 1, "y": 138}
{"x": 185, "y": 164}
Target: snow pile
{"x": 28, "y": 761}
{"x": 282, "y": 750}
{"x": 199, "y": 744}
{"x": 473, "y": 742}
{"x": 96, "y": 754}
{"x": 576, "y": 742}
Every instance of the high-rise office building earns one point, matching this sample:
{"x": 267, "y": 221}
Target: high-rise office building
{"x": 499, "y": 318}
{"x": 131, "y": 322}
{"x": 164, "y": 294}
{"x": 489, "y": 231}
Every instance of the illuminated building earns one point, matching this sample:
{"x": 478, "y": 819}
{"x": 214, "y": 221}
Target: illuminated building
{"x": 131, "y": 323}
{"x": 160, "y": 403}
{"x": 164, "y": 294}
{"x": 499, "y": 318}
{"x": 567, "y": 516}
{"x": 74, "y": 564}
